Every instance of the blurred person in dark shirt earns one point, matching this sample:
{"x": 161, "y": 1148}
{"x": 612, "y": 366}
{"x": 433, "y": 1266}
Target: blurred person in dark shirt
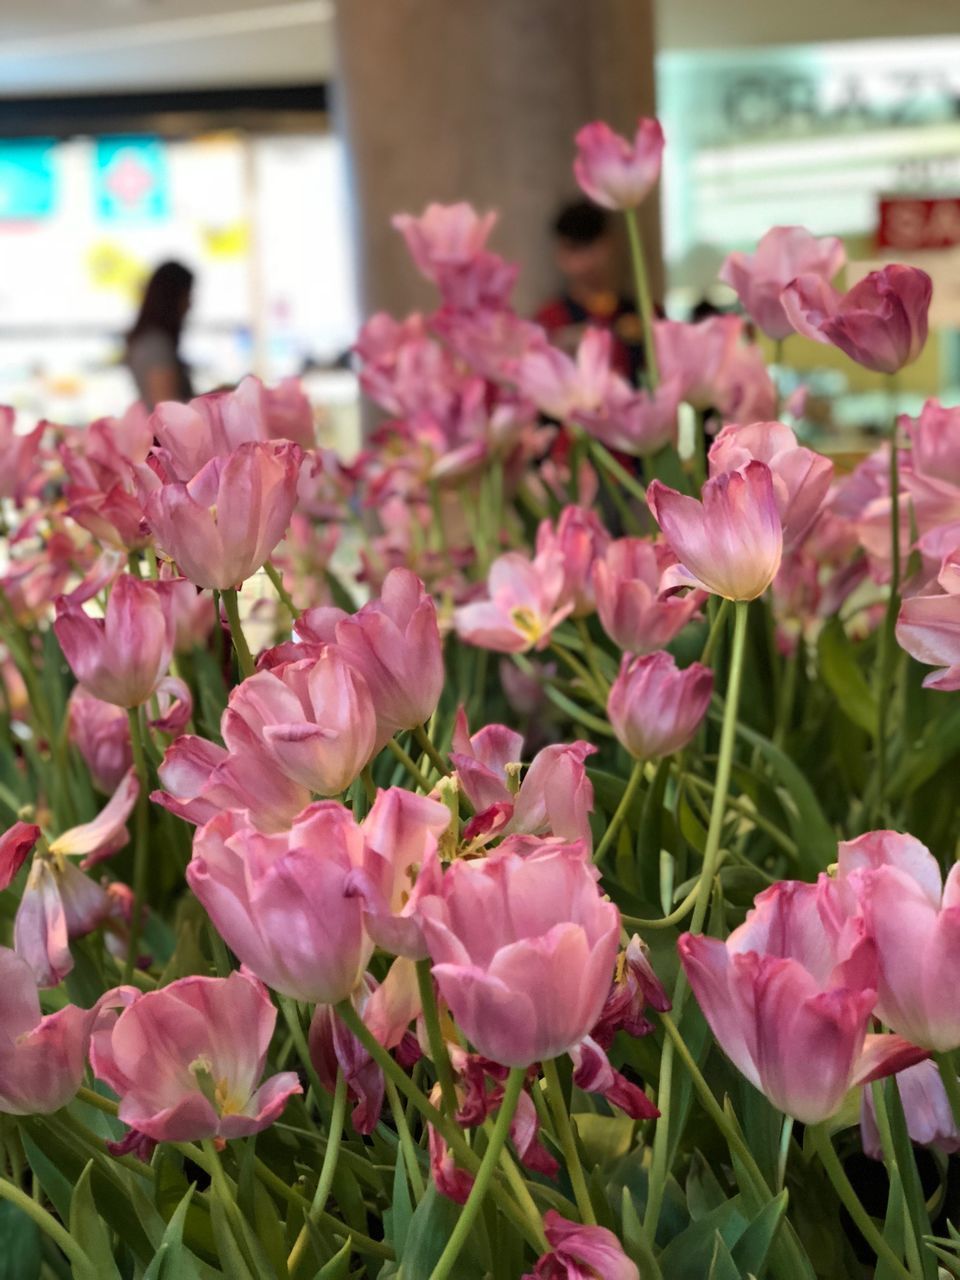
{"x": 585, "y": 254}
{"x": 153, "y": 344}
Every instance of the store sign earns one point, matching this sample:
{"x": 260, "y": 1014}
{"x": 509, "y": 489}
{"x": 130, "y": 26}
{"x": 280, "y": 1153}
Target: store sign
{"x": 908, "y": 222}
{"x": 26, "y": 180}
{"x": 130, "y": 180}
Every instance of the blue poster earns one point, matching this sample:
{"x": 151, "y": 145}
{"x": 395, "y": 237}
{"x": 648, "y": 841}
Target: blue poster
{"x": 26, "y": 179}
{"x": 130, "y": 179}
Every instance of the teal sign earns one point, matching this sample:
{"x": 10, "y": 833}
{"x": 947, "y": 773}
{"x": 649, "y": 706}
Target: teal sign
{"x": 27, "y": 188}
{"x": 130, "y": 179}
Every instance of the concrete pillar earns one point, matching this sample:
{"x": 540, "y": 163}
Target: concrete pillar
{"x": 479, "y": 100}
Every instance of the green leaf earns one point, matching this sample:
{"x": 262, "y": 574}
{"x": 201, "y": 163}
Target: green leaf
{"x": 844, "y": 677}
{"x": 751, "y": 1250}
{"x": 231, "y": 1259}
{"x": 397, "y": 1218}
{"x": 339, "y": 1266}
{"x": 635, "y": 1240}
{"x": 722, "y": 1265}
{"x": 430, "y": 1227}
{"x": 690, "y": 1255}
{"x": 173, "y": 1261}
{"x": 86, "y": 1227}
{"x": 20, "y": 1254}
{"x": 815, "y": 838}
{"x": 58, "y": 1188}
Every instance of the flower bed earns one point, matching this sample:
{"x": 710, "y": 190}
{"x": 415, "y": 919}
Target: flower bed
{"x": 549, "y": 895}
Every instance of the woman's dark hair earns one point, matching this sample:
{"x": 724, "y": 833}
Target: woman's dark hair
{"x": 163, "y": 301}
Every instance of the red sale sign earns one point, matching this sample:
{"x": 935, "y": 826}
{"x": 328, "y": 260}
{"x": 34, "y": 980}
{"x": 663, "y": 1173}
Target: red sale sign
{"x": 909, "y": 222}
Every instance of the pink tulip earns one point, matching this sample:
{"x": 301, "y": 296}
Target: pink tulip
{"x": 223, "y": 524}
{"x": 580, "y": 539}
{"x": 122, "y": 657}
{"x": 929, "y": 629}
{"x": 280, "y": 901}
{"x": 524, "y": 604}
{"x": 554, "y": 798}
{"x": 639, "y": 423}
{"x": 732, "y": 542}
{"x": 186, "y": 1060}
{"x": 483, "y": 761}
{"x": 881, "y": 323}
{"x": 654, "y": 708}
{"x": 101, "y": 733}
{"x": 912, "y": 918}
{"x": 698, "y": 356}
{"x": 214, "y": 425}
{"x": 935, "y": 442}
{"x": 801, "y": 478}
{"x": 115, "y": 517}
{"x": 193, "y": 615}
{"x": 315, "y": 719}
{"x": 926, "y": 1107}
{"x": 386, "y": 1009}
{"x": 16, "y": 845}
{"x": 794, "y": 985}
{"x": 633, "y": 613}
{"x": 21, "y": 474}
{"x": 615, "y": 172}
{"x": 106, "y": 833}
{"x": 394, "y": 644}
{"x": 59, "y": 903}
{"x": 578, "y": 1252}
{"x": 782, "y": 254}
{"x": 444, "y": 236}
{"x": 201, "y": 779}
{"x": 523, "y": 949}
{"x": 400, "y": 865}
{"x": 42, "y": 1059}
{"x": 567, "y": 389}
{"x": 334, "y": 1049}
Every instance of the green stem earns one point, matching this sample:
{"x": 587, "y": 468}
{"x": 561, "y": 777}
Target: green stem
{"x": 48, "y": 1225}
{"x": 951, "y": 1084}
{"x": 583, "y": 631}
{"x": 664, "y": 922}
{"x": 291, "y": 1016}
{"x": 498, "y": 1138}
{"x": 787, "y": 695}
{"x": 426, "y": 746}
{"x": 140, "y": 852}
{"x": 438, "y": 1047}
{"x": 393, "y": 1071}
{"x": 580, "y": 671}
{"x": 887, "y": 646}
{"x": 644, "y": 301}
{"x": 786, "y": 1133}
{"x": 661, "y": 1143}
{"x": 820, "y": 1138}
{"x": 716, "y": 629}
{"x": 273, "y": 573}
{"x": 728, "y": 735}
{"x": 244, "y": 659}
{"x": 327, "y": 1171}
{"x": 888, "y": 1147}
{"x": 225, "y": 1193}
{"x": 407, "y": 1145}
{"x": 568, "y": 1142}
{"x": 398, "y": 753}
{"x": 604, "y": 458}
{"x": 623, "y": 808}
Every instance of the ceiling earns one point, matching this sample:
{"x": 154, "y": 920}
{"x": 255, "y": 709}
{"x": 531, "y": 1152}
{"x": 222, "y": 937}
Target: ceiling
{"x": 64, "y": 47}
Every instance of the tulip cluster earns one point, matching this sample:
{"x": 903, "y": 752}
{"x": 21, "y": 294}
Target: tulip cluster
{"x": 404, "y": 813}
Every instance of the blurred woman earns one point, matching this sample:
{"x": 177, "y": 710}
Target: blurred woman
{"x": 153, "y": 344}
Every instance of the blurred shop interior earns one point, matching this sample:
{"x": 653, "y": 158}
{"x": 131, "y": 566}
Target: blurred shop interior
{"x": 207, "y": 132}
